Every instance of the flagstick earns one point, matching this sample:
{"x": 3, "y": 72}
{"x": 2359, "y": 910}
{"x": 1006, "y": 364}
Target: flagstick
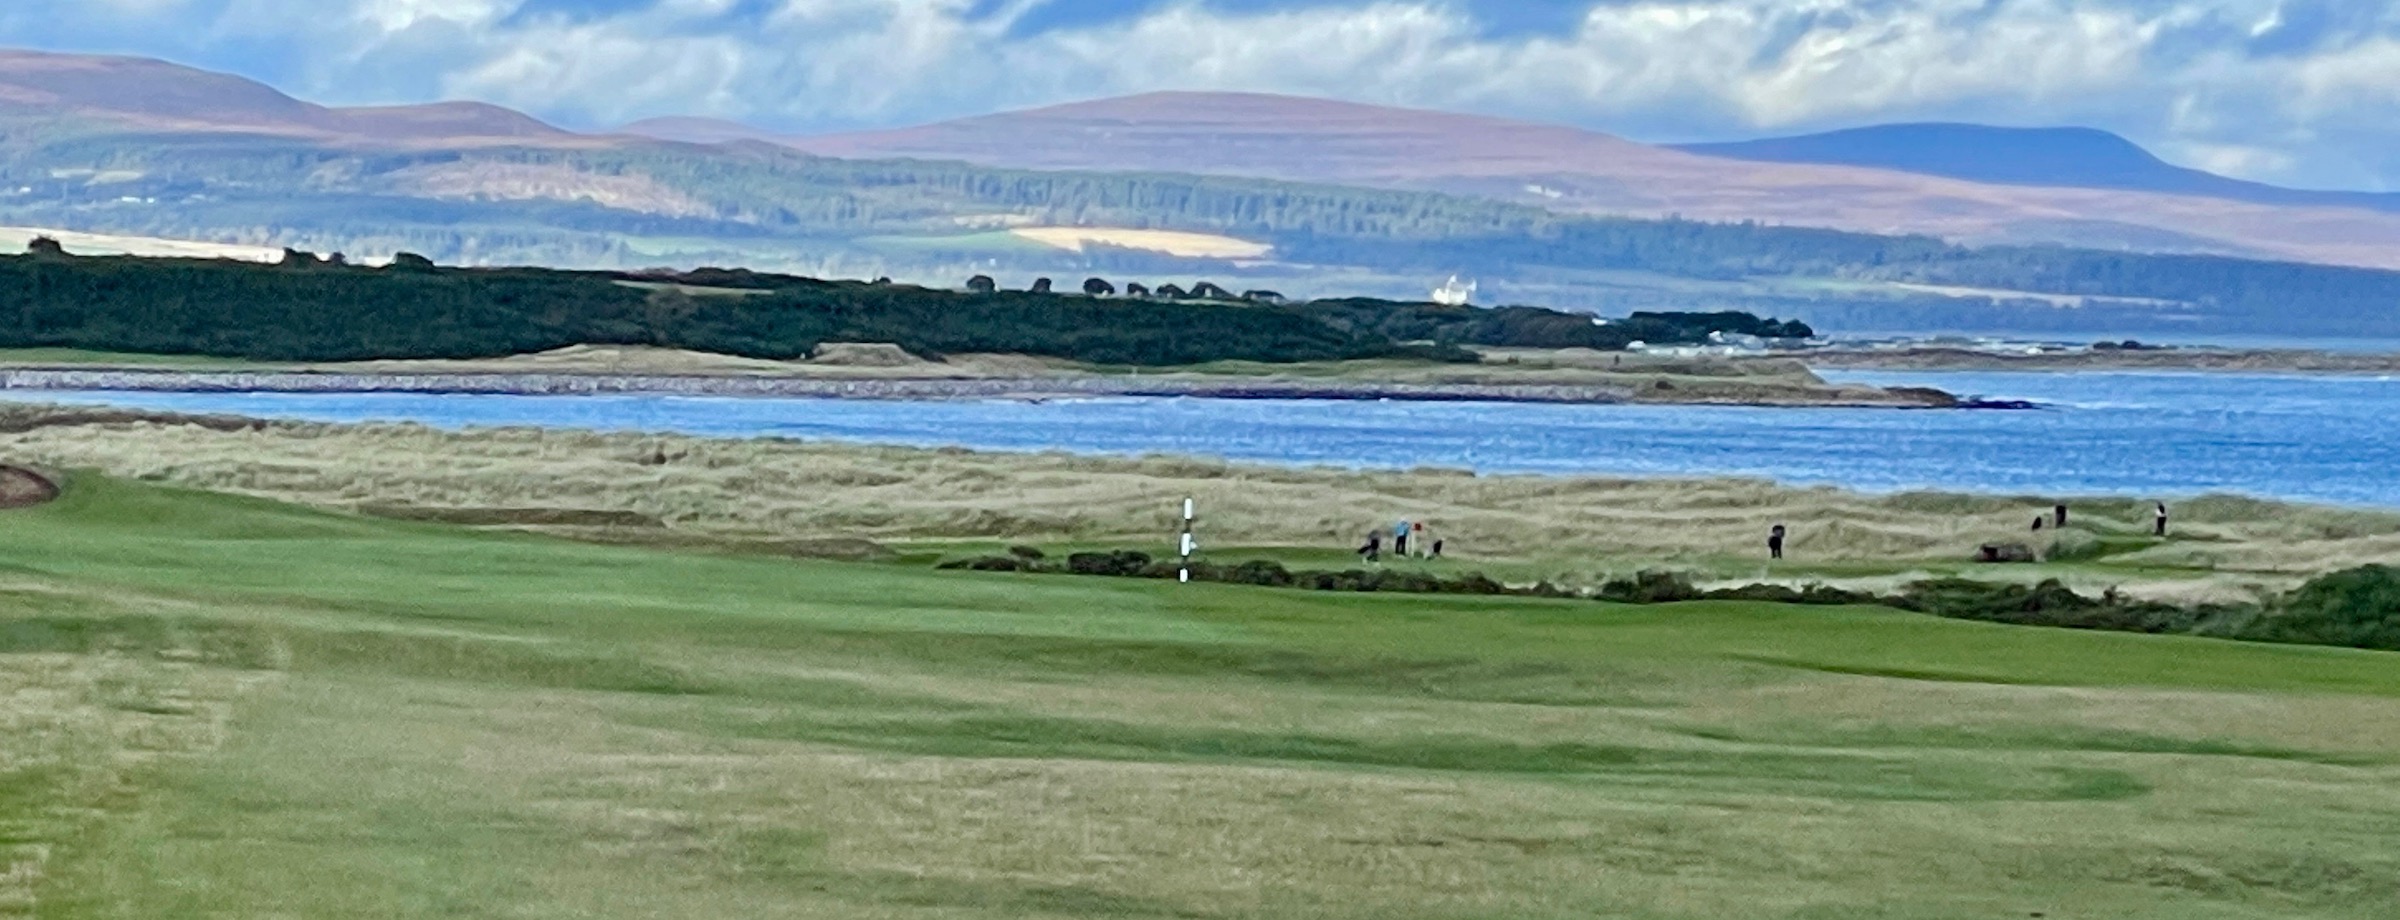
{"x": 1184, "y": 575}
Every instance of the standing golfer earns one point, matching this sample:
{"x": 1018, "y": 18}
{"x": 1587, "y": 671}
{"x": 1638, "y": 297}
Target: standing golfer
{"x": 1400, "y": 539}
{"x": 2159, "y": 518}
{"x": 1775, "y": 542}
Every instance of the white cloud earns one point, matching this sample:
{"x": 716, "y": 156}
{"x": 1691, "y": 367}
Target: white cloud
{"x": 395, "y": 15}
{"x": 2182, "y": 75}
{"x": 2229, "y": 159}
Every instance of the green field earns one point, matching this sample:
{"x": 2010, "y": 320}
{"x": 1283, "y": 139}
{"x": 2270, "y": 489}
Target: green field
{"x": 228, "y": 707}
{"x": 75, "y": 357}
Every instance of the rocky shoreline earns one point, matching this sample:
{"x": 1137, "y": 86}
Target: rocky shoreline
{"x": 2195, "y": 359}
{"x": 903, "y": 388}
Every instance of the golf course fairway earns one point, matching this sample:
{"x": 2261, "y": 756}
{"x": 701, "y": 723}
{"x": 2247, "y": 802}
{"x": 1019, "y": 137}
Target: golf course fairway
{"x": 214, "y": 706}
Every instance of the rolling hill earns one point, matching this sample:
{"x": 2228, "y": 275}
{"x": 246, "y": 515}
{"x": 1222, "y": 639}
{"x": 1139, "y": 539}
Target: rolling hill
{"x": 2059, "y": 157}
{"x": 149, "y": 95}
{"x": 2081, "y": 190}
{"x": 1571, "y": 169}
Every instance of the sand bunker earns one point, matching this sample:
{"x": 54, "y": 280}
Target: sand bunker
{"x": 24, "y": 488}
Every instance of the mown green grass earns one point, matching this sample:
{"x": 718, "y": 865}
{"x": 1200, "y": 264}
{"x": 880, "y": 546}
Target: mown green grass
{"x": 222, "y": 706}
{"x": 75, "y": 357}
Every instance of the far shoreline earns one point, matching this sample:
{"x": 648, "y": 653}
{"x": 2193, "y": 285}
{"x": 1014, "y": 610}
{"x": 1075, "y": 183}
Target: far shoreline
{"x": 909, "y": 387}
{"x": 2171, "y": 359}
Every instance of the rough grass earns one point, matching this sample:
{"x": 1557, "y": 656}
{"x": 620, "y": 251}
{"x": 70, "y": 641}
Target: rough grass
{"x": 77, "y": 357}
{"x": 223, "y": 706}
{"x": 1578, "y": 530}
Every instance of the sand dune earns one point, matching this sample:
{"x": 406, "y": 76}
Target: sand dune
{"x": 1569, "y": 529}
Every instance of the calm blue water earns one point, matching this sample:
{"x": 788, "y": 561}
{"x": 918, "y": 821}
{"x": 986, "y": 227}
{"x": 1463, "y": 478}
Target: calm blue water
{"x": 2334, "y": 439}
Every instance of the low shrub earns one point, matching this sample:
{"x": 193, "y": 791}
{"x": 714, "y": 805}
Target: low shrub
{"x": 1650, "y": 588}
{"x": 987, "y": 564}
{"x": 1119, "y": 564}
{"x": 2355, "y": 608}
{"x": 2052, "y": 603}
{"x": 1813, "y": 595}
{"x": 2076, "y": 546}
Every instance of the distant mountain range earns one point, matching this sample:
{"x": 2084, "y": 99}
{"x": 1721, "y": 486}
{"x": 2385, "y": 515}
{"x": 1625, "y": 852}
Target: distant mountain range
{"x": 1308, "y": 196}
{"x": 1967, "y": 183}
{"x": 2069, "y": 188}
{"x": 2058, "y": 157}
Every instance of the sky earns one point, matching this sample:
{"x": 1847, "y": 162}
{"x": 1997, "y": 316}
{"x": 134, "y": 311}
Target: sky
{"x": 2300, "y": 92}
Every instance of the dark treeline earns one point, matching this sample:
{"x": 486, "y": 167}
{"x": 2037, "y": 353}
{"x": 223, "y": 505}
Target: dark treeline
{"x": 309, "y": 309}
{"x": 326, "y": 313}
{"x": 1534, "y": 327}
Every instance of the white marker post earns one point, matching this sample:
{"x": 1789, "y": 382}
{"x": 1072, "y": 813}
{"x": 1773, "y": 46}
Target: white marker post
{"x": 1184, "y": 574}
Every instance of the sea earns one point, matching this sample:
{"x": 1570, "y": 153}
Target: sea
{"x": 2318, "y": 438}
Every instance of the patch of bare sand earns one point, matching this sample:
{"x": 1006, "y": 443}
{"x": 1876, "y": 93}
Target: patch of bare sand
{"x": 24, "y": 488}
{"x": 865, "y": 354}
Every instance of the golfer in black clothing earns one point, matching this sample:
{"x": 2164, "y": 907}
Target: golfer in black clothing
{"x": 1775, "y": 542}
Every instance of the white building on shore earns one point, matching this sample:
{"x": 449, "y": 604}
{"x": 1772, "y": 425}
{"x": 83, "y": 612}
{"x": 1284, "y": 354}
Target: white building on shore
{"x": 1454, "y": 293}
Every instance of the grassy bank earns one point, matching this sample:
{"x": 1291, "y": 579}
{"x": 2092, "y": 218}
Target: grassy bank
{"x": 224, "y": 706}
{"x": 772, "y": 495}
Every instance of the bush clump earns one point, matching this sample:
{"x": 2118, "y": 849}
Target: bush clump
{"x": 2052, "y": 603}
{"x": 2355, "y": 608}
{"x": 1650, "y": 588}
{"x": 1813, "y": 595}
{"x": 1119, "y": 564}
{"x": 988, "y": 564}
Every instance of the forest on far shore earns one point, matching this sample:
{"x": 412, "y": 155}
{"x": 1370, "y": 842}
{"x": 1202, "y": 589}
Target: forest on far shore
{"x": 322, "y": 309}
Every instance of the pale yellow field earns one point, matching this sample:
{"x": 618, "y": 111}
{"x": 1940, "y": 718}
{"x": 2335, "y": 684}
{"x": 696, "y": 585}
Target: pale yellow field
{"x": 1171, "y": 242}
{"x": 107, "y": 244}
